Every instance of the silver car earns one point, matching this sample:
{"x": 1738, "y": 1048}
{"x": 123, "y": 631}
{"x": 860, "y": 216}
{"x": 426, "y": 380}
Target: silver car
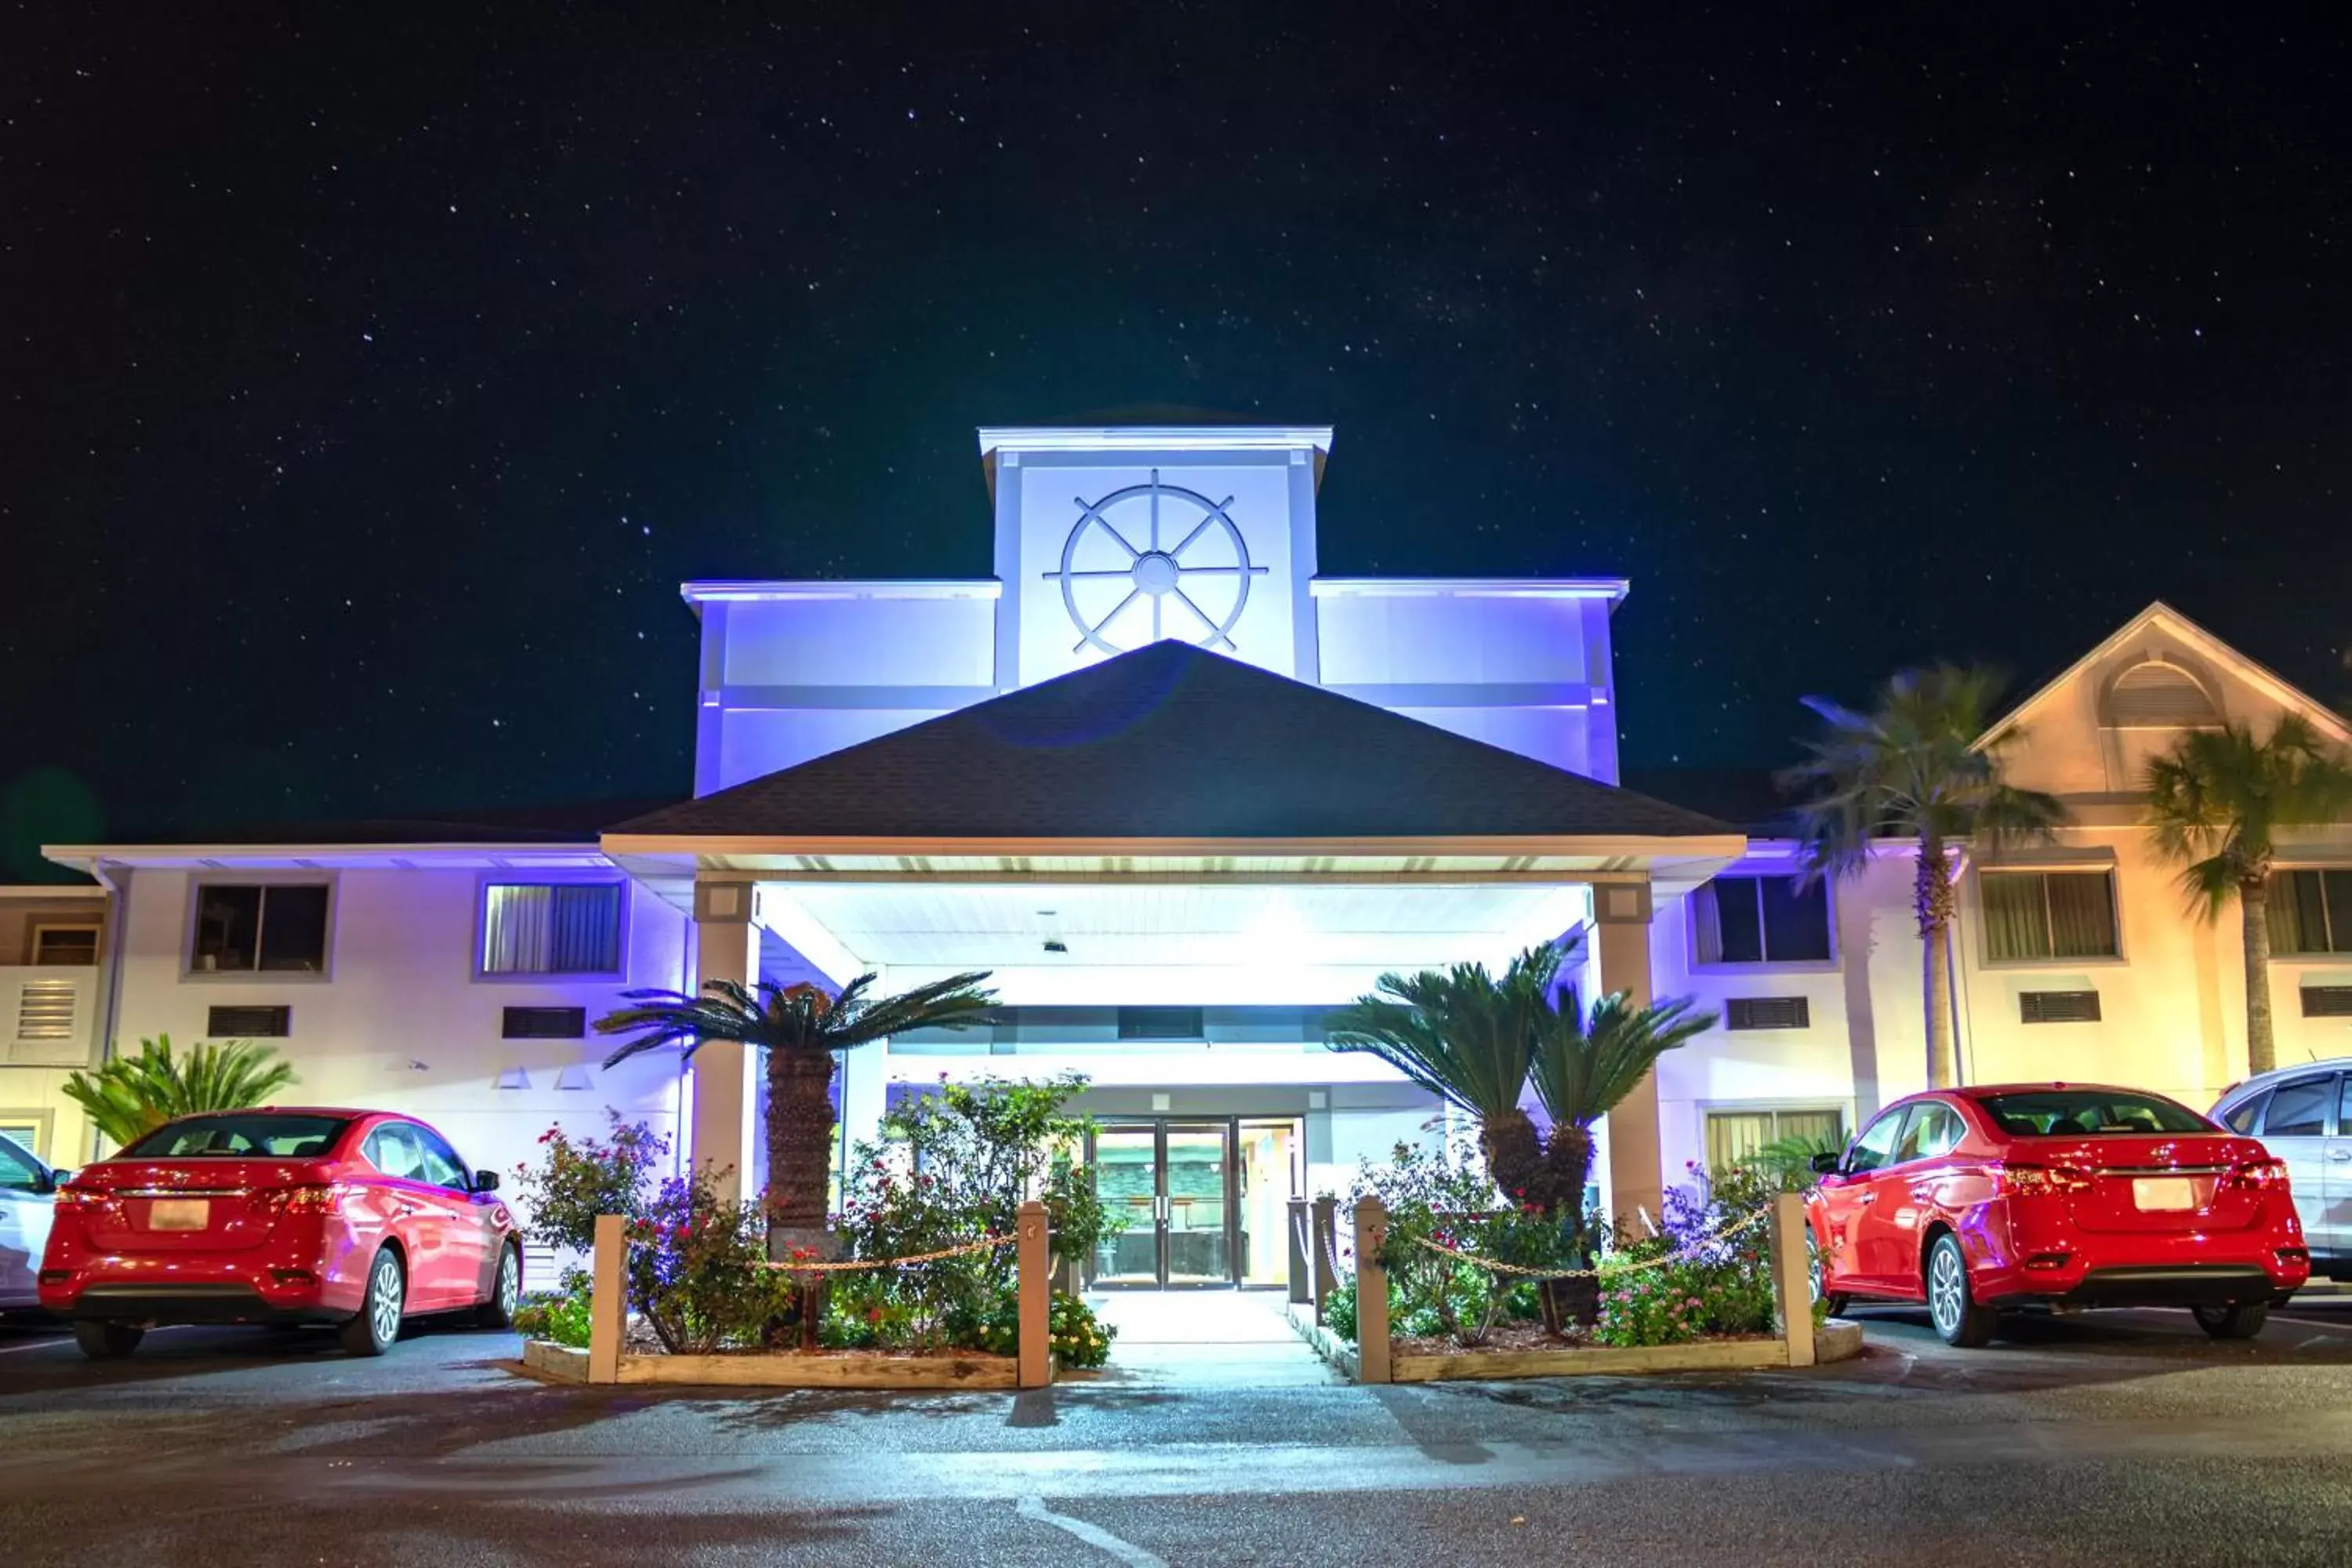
{"x": 28, "y": 1193}
{"x": 2303, "y": 1116}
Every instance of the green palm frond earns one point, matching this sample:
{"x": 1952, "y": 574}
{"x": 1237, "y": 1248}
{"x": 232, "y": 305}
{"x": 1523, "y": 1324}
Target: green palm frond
{"x": 131, "y": 1096}
{"x": 1459, "y": 1033}
{"x": 1584, "y": 1066}
{"x": 797, "y": 1018}
{"x": 2216, "y": 800}
{"x": 1912, "y": 768}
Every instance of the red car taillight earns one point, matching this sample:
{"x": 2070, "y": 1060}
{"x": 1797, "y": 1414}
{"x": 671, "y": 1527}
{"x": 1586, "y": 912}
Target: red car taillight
{"x": 316, "y": 1199}
{"x": 2042, "y": 1180}
{"x": 79, "y": 1197}
{"x": 2261, "y": 1176}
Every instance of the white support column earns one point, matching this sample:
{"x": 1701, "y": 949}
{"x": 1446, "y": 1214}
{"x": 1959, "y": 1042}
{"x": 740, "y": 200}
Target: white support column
{"x": 725, "y": 1091}
{"x": 1637, "y": 1178}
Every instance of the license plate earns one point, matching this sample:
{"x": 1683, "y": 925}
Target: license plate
{"x": 2164, "y": 1193}
{"x": 179, "y": 1213}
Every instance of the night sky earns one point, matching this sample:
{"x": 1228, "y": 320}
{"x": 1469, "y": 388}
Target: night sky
{"x": 371, "y": 384}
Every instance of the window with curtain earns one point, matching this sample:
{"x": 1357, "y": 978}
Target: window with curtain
{"x": 1761, "y": 919}
{"x": 1734, "y": 1137}
{"x": 552, "y": 928}
{"x": 2047, "y": 914}
{"x": 2311, "y": 911}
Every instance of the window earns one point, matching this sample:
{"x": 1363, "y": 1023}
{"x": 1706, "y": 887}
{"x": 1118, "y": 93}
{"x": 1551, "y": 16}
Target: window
{"x": 1159, "y": 1024}
{"x": 545, "y": 1024}
{"x": 442, "y": 1166}
{"x": 2246, "y": 1116}
{"x": 2057, "y": 1006}
{"x": 1870, "y": 1150}
{"x": 252, "y": 1134}
{"x": 2032, "y": 915}
{"x": 248, "y": 1023}
{"x": 2311, "y": 911}
{"x": 1931, "y": 1134}
{"x": 1766, "y": 1013}
{"x": 1761, "y": 919}
{"x": 248, "y": 927}
{"x": 552, "y": 928}
{"x": 19, "y": 1172}
{"x": 2299, "y": 1109}
{"x": 1734, "y": 1137}
{"x": 74, "y": 947}
{"x": 2075, "y": 1112}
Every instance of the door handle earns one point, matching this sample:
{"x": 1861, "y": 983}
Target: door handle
{"x": 2341, "y": 1154}
{"x": 1865, "y": 1201}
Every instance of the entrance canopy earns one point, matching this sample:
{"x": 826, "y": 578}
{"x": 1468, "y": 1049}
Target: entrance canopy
{"x": 1170, "y": 825}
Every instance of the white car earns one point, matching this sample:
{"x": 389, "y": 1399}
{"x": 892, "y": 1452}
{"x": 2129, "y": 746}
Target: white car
{"x": 2303, "y": 1114}
{"x": 28, "y": 1193}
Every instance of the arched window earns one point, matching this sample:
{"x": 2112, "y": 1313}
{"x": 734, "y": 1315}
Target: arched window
{"x": 2157, "y": 695}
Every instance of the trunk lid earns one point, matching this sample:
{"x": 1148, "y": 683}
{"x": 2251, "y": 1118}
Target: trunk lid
{"x": 204, "y": 1204}
{"x": 2155, "y": 1184}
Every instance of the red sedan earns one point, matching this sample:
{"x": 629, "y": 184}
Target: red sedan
{"x": 1975, "y": 1200}
{"x": 352, "y": 1217}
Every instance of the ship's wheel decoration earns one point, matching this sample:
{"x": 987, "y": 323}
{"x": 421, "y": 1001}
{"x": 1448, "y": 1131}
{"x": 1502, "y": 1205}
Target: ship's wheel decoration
{"x": 1124, "y": 583}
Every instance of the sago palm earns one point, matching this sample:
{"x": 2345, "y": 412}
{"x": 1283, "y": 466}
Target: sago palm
{"x": 2215, "y": 802}
{"x": 130, "y": 1096}
{"x": 1918, "y": 766}
{"x": 800, "y": 1028}
{"x": 1468, "y": 1038}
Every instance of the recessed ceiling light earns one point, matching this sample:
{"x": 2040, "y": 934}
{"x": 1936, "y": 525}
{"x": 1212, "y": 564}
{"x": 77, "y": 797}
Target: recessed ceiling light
{"x": 1052, "y": 946}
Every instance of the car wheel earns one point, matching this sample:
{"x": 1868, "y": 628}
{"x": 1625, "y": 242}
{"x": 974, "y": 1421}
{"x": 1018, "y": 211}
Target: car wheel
{"x": 1834, "y": 1301}
{"x": 498, "y": 1311}
{"x": 2243, "y": 1321}
{"x": 1960, "y": 1320}
{"x": 108, "y": 1341}
{"x": 378, "y": 1323}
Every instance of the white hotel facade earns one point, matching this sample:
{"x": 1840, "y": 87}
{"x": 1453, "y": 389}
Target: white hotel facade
{"x": 1182, "y": 795}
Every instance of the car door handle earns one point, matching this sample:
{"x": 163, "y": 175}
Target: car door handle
{"x": 1865, "y": 1201}
{"x": 2341, "y": 1154}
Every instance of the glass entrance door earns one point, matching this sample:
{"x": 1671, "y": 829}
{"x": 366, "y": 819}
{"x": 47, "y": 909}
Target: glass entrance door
{"x": 1174, "y": 1180}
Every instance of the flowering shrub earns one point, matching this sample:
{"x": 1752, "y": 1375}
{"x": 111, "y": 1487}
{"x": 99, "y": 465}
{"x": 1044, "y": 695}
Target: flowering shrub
{"x": 579, "y": 1179}
{"x": 1719, "y": 1280}
{"x": 1446, "y": 1198}
{"x": 696, "y": 1270}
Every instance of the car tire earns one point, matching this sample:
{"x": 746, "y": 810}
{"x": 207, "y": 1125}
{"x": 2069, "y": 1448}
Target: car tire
{"x": 108, "y": 1341}
{"x": 377, "y": 1323}
{"x": 1960, "y": 1320}
{"x": 2240, "y": 1320}
{"x": 1836, "y": 1301}
{"x": 506, "y": 1292}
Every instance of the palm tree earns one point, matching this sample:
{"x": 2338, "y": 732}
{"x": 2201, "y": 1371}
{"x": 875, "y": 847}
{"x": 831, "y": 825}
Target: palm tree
{"x": 1916, "y": 767}
{"x": 800, "y": 1028}
{"x": 1469, "y": 1039}
{"x": 130, "y": 1096}
{"x": 2214, "y": 800}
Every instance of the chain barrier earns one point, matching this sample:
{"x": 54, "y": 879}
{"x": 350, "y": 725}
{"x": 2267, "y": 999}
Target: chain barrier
{"x": 867, "y": 1265}
{"x": 1605, "y": 1271}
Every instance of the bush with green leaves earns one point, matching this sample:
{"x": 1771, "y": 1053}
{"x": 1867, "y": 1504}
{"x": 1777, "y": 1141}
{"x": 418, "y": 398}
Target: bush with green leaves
{"x": 698, "y": 1271}
{"x": 1447, "y": 1198}
{"x": 561, "y": 1315}
{"x": 130, "y": 1096}
{"x": 577, "y": 1179}
{"x": 1715, "y": 1238}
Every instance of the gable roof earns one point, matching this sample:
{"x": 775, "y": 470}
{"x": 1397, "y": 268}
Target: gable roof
{"x": 1170, "y": 741}
{"x": 2174, "y": 623}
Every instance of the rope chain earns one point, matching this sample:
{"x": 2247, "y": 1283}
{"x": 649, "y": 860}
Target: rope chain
{"x": 867, "y": 1265}
{"x": 1604, "y": 1272}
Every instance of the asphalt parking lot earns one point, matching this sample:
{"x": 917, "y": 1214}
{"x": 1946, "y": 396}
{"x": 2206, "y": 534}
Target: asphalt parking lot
{"x": 2108, "y": 1438}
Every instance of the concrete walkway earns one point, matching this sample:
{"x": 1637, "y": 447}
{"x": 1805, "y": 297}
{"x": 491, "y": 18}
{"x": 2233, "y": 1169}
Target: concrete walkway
{"x": 1205, "y": 1338}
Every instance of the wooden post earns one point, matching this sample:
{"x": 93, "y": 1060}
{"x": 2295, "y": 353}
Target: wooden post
{"x": 1302, "y": 1245}
{"x": 608, "y": 1301}
{"x": 1033, "y": 1275}
{"x": 1371, "y": 1293}
{"x": 1323, "y": 1241}
{"x": 1792, "y": 1277}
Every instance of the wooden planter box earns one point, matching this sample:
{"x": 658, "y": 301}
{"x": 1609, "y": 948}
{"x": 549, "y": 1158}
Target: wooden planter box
{"x": 827, "y": 1368}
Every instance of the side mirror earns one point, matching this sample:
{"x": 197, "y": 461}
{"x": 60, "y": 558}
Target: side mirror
{"x": 1826, "y": 1164}
{"x": 486, "y": 1181}
{"x": 57, "y": 1179}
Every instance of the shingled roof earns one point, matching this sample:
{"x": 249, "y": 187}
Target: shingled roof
{"x": 1171, "y": 741}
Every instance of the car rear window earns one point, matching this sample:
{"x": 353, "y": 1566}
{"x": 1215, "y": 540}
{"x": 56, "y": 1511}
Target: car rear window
{"x": 2078, "y": 1113}
{"x": 251, "y": 1135}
